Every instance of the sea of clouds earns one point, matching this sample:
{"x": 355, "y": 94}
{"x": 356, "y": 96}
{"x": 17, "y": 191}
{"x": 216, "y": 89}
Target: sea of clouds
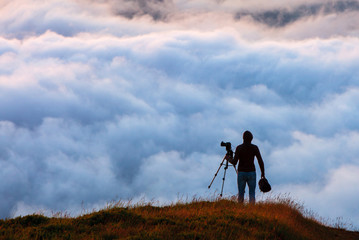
{"x": 107, "y": 100}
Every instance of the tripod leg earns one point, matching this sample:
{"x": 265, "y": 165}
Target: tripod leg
{"x": 224, "y": 178}
{"x": 215, "y": 175}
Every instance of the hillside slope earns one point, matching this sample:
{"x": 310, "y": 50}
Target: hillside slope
{"x": 219, "y": 219}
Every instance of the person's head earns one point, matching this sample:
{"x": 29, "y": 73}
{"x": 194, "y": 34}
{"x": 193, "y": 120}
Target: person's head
{"x": 247, "y": 137}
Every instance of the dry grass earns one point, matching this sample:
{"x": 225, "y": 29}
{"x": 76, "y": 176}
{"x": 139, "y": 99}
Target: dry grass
{"x": 280, "y": 218}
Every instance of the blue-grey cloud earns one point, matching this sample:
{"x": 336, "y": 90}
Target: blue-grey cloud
{"x": 157, "y": 9}
{"x": 282, "y": 17}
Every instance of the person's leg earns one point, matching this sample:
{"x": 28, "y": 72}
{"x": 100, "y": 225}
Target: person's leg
{"x": 252, "y": 186}
{"x": 241, "y": 178}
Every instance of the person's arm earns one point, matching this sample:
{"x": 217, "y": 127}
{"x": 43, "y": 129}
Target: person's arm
{"x": 260, "y": 162}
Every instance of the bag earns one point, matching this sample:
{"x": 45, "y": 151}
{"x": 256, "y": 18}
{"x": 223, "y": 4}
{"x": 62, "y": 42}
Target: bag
{"x": 264, "y": 185}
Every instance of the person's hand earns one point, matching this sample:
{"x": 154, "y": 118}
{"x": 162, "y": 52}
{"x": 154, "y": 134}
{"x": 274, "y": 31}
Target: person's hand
{"x": 229, "y": 158}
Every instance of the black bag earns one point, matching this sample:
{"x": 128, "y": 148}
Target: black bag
{"x": 264, "y": 185}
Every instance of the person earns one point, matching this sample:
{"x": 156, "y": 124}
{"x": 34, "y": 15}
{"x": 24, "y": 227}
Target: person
{"x": 244, "y": 155}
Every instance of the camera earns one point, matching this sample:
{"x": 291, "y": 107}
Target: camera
{"x": 228, "y": 146}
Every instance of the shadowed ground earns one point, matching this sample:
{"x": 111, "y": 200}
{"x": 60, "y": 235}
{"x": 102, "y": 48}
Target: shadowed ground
{"x": 200, "y": 219}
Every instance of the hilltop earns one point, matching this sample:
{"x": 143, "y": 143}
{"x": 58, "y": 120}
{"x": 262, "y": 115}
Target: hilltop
{"x": 199, "y": 219}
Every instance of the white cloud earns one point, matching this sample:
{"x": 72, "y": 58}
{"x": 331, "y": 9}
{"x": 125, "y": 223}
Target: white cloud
{"x": 168, "y": 174}
{"x": 332, "y": 199}
{"x": 309, "y": 158}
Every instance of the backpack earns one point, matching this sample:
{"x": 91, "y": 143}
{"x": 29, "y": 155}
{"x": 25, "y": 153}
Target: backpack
{"x": 264, "y": 185}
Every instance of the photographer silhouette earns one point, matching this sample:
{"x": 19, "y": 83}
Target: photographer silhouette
{"x": 244, "y": 155}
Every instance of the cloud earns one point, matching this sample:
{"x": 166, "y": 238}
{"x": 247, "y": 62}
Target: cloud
{"x": 332, "y": 200}
{"x": 170, "y": 174}
{"x": 309, "y": 158}
{"x": 157, "y": 9}
{"x": 282, "y": 17}
{"x": 298, "y": 20}
{"x": 95, "y": 105}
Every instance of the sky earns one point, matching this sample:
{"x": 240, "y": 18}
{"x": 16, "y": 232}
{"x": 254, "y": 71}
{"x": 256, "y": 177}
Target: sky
{"x": 106, "y": 100}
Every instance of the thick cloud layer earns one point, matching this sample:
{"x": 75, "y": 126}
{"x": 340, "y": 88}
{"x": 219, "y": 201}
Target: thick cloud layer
{"x": 101, "y": 100}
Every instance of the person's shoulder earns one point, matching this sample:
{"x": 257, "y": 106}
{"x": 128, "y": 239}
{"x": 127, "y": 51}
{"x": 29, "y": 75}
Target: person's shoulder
{"x": 239, "y": 146}
{"x": 254, "y": 146}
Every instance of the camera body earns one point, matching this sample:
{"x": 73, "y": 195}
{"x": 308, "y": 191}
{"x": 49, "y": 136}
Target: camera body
{"x": 228, "y": 146}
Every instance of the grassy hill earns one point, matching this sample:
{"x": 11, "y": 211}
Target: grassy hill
{"x": 218, "y": 219}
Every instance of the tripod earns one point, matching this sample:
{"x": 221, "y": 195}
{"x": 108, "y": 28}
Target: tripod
{"x": 224, "y": 176}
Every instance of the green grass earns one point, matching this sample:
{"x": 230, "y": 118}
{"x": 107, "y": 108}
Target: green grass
{"x": 199, "y": 219}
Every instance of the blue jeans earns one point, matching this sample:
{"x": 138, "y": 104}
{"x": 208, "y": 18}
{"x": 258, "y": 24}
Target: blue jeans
{"x": 250, "y": 179}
